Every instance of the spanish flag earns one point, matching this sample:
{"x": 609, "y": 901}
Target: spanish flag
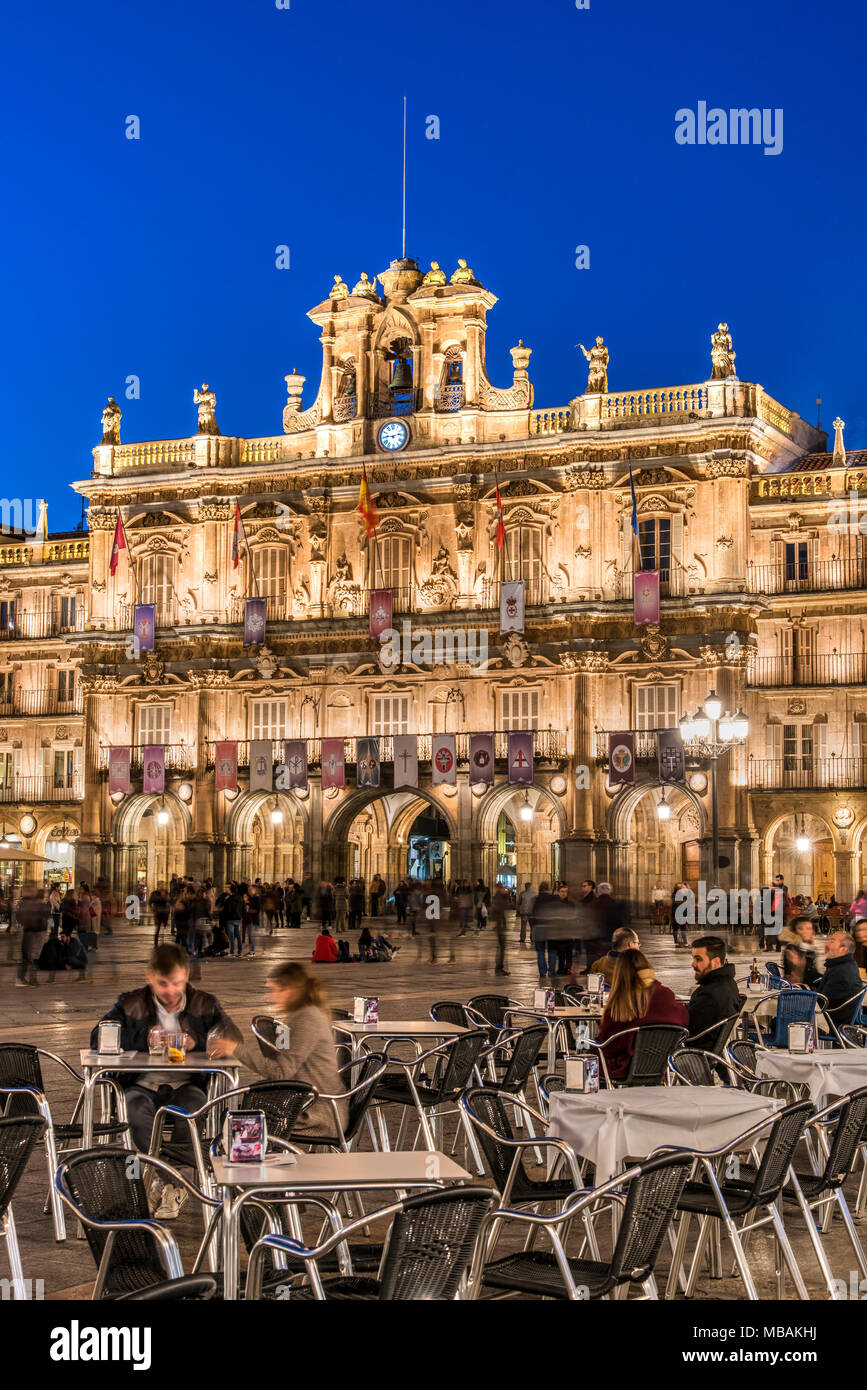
{"x": 118, "y": 545}
{"x": 366, "y": 505}
{"x": 501, "y": 529}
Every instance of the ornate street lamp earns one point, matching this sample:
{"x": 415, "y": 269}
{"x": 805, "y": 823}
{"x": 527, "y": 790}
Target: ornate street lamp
{"x": 718, "y": 733}
{"x": 663, "y": 809}
{"x": 526, "y": 811}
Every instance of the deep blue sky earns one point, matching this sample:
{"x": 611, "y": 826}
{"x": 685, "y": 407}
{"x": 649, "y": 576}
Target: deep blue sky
{"x": 262, "y": 126}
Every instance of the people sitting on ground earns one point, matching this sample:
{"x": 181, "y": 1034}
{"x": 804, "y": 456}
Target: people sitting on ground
{"x": 325, "y": 948}
{"x": 716, "y": 996}
{"x": 305, "y": 1048}
{"x": 64, "y": 952}
{"x": 624, "y": 939}
{"x": 842, "y": 978}
{"x": 637, "y": 998}
{"x": 167, "y": 1000}
{"x": 375, "y": 947}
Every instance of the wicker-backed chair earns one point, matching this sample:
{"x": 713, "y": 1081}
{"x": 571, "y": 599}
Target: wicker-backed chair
{"x": 715, "y": 1038}
{"x": 192, "y": 1288}
{"x": 487, "y": 1112}
{"x": 19, "y": 1136}
{"x": 654, "y": 1044}
{"x": 491, "y": 1009}
{"x": 427, "y": 1253}
{"x": 743, "y": 1052}
{"x": 456, "y": 1065}
{"x": 23, "y": 1089}
{"x": 451, "y": 1011}
{"x": 652, "y": 1192}
{"x": 362, "y": 1076}
{"x": 691, "y": 1066}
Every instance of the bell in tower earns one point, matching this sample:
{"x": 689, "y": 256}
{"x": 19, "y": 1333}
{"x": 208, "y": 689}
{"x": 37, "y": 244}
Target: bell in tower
{"x": 402, "y": 376}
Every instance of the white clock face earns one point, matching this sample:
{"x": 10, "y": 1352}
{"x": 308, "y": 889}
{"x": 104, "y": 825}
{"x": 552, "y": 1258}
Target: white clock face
{"x": 393, "y": 435}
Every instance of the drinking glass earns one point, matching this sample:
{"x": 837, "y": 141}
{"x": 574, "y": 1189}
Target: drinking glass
{"x": 157, "y": 1042}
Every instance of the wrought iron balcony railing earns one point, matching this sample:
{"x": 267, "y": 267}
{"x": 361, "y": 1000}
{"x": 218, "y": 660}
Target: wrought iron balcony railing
{"x": 179, "y": 757}
{"x": 26, "y": 626}
{"x": 829, "y": 668}
{"x": 550, "y": 747}
{"x": 804, "y": 577}
{"x": 34, "y": 789}
{"x": 805, "y": 773}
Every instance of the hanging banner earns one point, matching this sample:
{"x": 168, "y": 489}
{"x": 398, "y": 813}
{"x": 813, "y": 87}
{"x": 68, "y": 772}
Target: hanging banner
{"x": 381, "y": 605}
{"x": 405, "y": 760}
{"x": 333, "y": 765}
{"x": 512, "y": 605}
{"x": 226, "y": 767}
{"x": 367, "y": 767}
{"x": 482, "y": 759}
{"x": 672, "y": 764}
{"x": 645, "y": 597}
{"x": 444, "y": 760}
{"x": 296, "y": 762}
{"x": 520, "y": 757}
{"x": 154, "y": 768}
{"x": 254, "y": 622}
{"x": 621, "y": 759}
{"x": 261, "y": 765}
{"x": 118, "y": 770}
{"x": 144, "y": 625}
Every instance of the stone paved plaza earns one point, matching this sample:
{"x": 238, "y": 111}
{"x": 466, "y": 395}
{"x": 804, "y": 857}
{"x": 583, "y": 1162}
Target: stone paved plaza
{"x": 59, "y": 1017}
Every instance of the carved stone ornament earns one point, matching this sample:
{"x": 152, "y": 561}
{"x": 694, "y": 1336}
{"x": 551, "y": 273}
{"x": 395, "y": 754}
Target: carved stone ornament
{"x": 61, "y": 732}
{"x": 654, "y": 645}
{"x": 209, "y": 679}
{"x": 266, "y": 664}
{"x": 594, "y": 662}
{"x": 796, "y": 706}
{"x": 152, "y": 669}
{"x": 726, "y": 468}
{"x": 583, "y": 552}
{"x": 844, "y": 817}
{"x": 649, "y": 477}
{"x": 98, "y": 685}
{"x": 578, "y": 477}
{"x": 516, "y": 651}
{"x": 724, "y": 542}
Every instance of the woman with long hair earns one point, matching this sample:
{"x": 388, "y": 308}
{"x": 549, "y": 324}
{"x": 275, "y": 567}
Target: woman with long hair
{"x": 305, "y": 1045}
{"x": 636, "y": 998}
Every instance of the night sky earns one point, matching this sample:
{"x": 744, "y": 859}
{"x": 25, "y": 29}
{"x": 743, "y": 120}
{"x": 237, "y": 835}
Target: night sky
{"x": 263, "y": 127}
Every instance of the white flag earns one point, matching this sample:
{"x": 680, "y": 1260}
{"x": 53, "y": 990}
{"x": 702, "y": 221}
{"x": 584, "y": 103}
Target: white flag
{"x": 512, "y": 605}
{"x": 405, "y": 760}
{"x": 444, "y": 760}
{"x": 261, "y": 765}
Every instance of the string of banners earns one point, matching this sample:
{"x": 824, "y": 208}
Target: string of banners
{"x": 669, "y": 753}
{"x": 294, "y": 772}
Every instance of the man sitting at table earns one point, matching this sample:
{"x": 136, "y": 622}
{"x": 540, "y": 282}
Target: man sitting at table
{"x": 624, "y": 939}
{"x": 716, "y": 996}
{"x": 167, "y": 1001}
{"x": 842, "y": 978}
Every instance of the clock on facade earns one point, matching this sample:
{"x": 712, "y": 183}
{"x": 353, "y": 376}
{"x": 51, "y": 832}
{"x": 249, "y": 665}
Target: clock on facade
{"x": 393, "y": 435}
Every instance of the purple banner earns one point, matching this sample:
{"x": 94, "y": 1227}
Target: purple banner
{"x": 520, "y": 757}
{"x": 645, "y": 598}
{"x": 296, "y": 762}
{"x": 144, "y": 625}
{"x": 672, "y": 765}
{"x": 482, "y": 759}
{"x": 118, "y": 771}
{"x": 254, "y": 622}
{"x": 154, "y": 765}
{"x": 621, "y": 759}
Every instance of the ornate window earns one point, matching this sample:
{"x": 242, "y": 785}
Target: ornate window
{"x": 7, "y": 616}
{"x": 519, "y": 709}
{"x": 66, "y": 686}
{"x": 450, "y": 396}
{"x": 391, "y": 567}
{"x": 389, "y": 714}
{"x": 655, "y": 707}
{"x": 156, "y": 586}
{"x": 66, "y": 612}
{"x": 268, "y": 719}
{"x": 345, "y": 406}
{"x": 154, "y": 724}
{"x": 271, "y": 570}
{"x": 524, "y": 560}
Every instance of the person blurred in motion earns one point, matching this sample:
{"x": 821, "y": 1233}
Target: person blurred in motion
{"x": 637, "y": 998}
{"x": 524, "y": 905}
{"x": 160, "y": 909}
{"x": 32, "y": 917}
{"x": 624, "y": 939}
{"x": 544, "y": 922}
{"x": 341, "y": 904}
{"x": 497, "y": 917}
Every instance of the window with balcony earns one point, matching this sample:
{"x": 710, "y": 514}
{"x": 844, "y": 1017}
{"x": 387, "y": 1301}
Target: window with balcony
{"x": 655, "y": 707}
{"x": 389, "y": 714}
{"x": 6, "y": 689}
{"x": 796, "y": 561}
{"x": 7, "y": 615}
{"x": 268, "y": 719}
{"x": 156, "y": 586}
{"x": 65, "y": 612}
{"x": 654, "y": 542}
{"x": 393, "y": 570}
{"x": 63, "y": 768}
{"x": 155, "y": 724}
{"x": 271, "y": 568}
{"x": 519, "y": 709}
{"x": 524, "y": 559}
{"x": 799, "y": 654}
{"x": 7, "y": 765}
{"x": 65, "y": 687}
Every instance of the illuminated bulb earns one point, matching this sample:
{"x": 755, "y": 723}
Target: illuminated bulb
{"x": 526, "y": 811}
{"x": 802, "y": 844}
{"x": 713, "y": 706}
{"x": 276, "y": 816}
{"x": 663, "y": 810}
{"x": 162, "y": 817}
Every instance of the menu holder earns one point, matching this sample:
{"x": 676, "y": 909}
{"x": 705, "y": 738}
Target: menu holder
{"x": 365, "y": 1010}
{"x": 582, "y": 1074}
{"x": 245, "y": 1136}
{"x": 108, "y": 1039}
{"x": 545, "y": 999}
{"x": 802, "y": 1037}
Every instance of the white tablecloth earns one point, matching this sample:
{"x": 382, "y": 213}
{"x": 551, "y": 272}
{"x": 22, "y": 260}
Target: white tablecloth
{"x": 632, "y": 1121}
{"x": 832, "y": 1073}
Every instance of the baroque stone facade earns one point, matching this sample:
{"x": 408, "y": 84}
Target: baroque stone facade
{"x": 763, "y": 582}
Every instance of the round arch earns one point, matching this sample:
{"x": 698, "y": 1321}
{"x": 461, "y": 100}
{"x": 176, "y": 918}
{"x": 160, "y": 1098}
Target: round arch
{"x": 623, "y": 807}
{"x": 148, "y": 853}
{"x": 47, "y": 841}
{"x": 338, "y": 824}
{"x": 489, "y": 806}
{"x": 257, "y": 846}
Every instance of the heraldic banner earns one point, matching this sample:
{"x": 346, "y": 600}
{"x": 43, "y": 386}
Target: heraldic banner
{"x": 405, "y": 760}
{"x": 144, "y": 625}
{"x": 672, "y": 764}
{"x": 621, "y": 759}
{"x": 295, "y": 761}
{"x": 482, "y": 759}
{"x": 226, "y": 767}
{"x": 154, "y": 765}
{"x": 520, "y": 757}
{"x": 254, "y": 622}
{"x": 118, "y": 771}
{"x": 333, "y": 765}
{"x": 645, "y": 597}
{"x": 367, "y": 769}
{"x": 444, "y": 760}
{"x": 512, "y": 605}
{"x": 381, "y": 603}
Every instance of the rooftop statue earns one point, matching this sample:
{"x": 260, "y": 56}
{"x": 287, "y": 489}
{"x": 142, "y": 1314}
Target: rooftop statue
{"x": 339, "y": 290}
{"x": 722, "y": 354}
{"x": 365, "y": 287}
{"x": 463, "y": 275}
{"x": 111, "y": 422}
{"x": 597, "y": 377}
{"x": 435, "y": 276}
{"x": 207, "y": 403}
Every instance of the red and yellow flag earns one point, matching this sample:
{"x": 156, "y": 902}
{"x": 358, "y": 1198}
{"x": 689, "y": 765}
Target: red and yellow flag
{"x": 366, "y": 505}
{"x": 501, "y": 529}
{"x": 118, "y": 545}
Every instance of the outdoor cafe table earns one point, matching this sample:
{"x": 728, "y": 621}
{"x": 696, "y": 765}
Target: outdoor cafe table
{"x": 606, "y": 1127}
{"x": 587, "y": 1013}
{"x": 97, "y": 1064}
{"x": 411, "y": 1030}
{"x": 321, "y": 1173}
{"x": 834, "y": 1071}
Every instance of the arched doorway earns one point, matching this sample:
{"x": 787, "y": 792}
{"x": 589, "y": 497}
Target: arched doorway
{"x": 651, "y": 849}
{"x": 150, "y": 832}
{"x": 518, "y": 830}
{"x": 58, "y": 844}
{"x": 507, "y": 853}
{"x": 428, "y": 850}
{"x": 802, "y": 850}
{"x": 370, "y": 830}
{"x": 266, "y": 838}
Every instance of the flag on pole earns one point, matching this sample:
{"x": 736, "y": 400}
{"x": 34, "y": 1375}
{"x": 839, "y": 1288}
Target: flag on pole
{"x": 237, "y": 536}
{"x": 366, "y": 505}
{"x": 645, "y": 597}
{"x": 634, "y": 502}
{"x": 501, "y": 525}
{"x": 521, "y": 757}
{"x": 118, "y": 545}
{"x": 512, "y": 605}
{"x": 405, "y": 760}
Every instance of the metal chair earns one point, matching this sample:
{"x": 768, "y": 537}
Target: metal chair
{"x": 692, "y": 1066}
{"x": 486, "y": 1111}
{"x": 652, "y": 1190}
{"x": 455, "y": 1065}
{"x": 490, "y": 1009}
{"x": 793, "y": 1006}
{"x": 191, "y": 1288}
{"x": 743, "y": 1053}
{"x": 363, "y": 1074}
{"x": 19, "y": 1136}
{"x": 519, "y": 1055}
{"x": 427, "y": 1252}
{"x": 848, "y": 1015}
{"x": 450, "y": 1011}
{"x": 22, "y": 1085}
{"x": 728, "y": 1199}
{"x": 654, "y": 1044}
{"x": 715, "y": 1038}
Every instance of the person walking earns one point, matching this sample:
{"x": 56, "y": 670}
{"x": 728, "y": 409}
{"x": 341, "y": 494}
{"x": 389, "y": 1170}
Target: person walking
{"x": 356, "y": 903}
{"x": 160, "y": 910}
{"x": 341, "y": 904}
{"x": 32, "y": 917}
{"x": 526, "y": 898}
{"x": 497, "y": 918}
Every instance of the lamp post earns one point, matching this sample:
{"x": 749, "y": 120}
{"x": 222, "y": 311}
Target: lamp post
{"x": 716, "y": 733}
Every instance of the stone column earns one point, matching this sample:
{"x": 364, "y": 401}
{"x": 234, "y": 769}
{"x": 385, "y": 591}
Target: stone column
{"x": 473, "y": 362}
{"x": 431, "y": 365}
{"x": 327, "y": 341}
{"x": 362, "y": 373}
{"x": 845, "y": 886}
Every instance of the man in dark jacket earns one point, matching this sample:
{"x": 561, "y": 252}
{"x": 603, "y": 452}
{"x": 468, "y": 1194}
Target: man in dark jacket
{"x": 716, "y": 996}
{"x": 842, "y": 978}
{"x": 169, "y": 1002}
